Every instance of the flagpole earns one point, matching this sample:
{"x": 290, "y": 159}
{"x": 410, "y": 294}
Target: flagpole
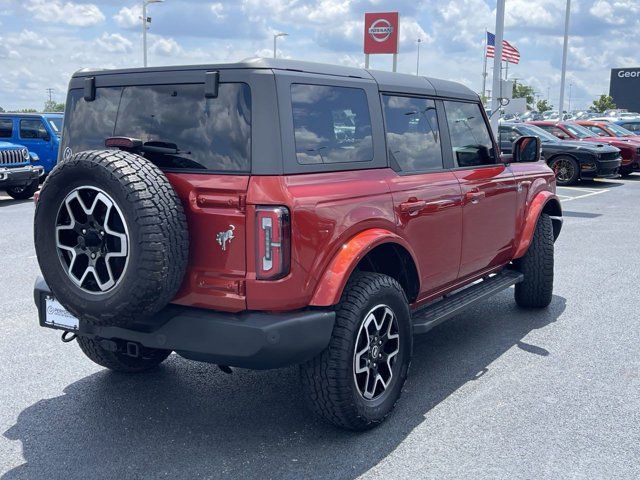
{"x": 484, "y": 68}
{"x": 497, "y": 62}
{"x": 506, "y": 70}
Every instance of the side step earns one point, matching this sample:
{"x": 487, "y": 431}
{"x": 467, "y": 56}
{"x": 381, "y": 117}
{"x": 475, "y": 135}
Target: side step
{"x": 428, "y": 317}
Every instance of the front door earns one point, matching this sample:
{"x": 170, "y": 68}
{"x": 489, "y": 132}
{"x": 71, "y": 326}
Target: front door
{"x": 488, "y": 190}
{"x": 427, "y": 197}
{"x": 33, "y": 134}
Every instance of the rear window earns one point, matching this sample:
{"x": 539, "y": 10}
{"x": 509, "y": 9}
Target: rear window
{"x": 331, "y": 124}
{"x": 210, "y": 133}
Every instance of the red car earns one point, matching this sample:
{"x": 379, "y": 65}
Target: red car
{"x": 272, "y": 213}
{"x": 630, "y": 150}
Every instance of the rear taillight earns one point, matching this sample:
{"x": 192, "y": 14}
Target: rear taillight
{"x": 273, "y": 242}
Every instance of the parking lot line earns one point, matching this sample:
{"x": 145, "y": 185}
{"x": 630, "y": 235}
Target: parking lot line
{"x": 590, "y": 194}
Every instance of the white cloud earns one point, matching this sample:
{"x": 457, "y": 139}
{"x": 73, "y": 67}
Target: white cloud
{"x": 165, "y": 47}
{"x": 114, "y": 43}
{"x": 55, "y": 11}
{"x": 30, "y": 39}
{"x": 218, "y": 10}
{"x": 129, "y": 17}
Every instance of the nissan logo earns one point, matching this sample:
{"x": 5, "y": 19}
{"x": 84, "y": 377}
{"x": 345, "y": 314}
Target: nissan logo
{"x": 67, "y": 154}
{"x": 629, "y": 74}
{"x": 380, "y": 30}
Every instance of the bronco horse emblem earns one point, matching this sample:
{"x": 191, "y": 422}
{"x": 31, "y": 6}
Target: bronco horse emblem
{"x": 224, "y": 237}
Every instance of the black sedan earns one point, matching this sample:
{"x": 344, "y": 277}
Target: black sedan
{"x": 570, "y": 160}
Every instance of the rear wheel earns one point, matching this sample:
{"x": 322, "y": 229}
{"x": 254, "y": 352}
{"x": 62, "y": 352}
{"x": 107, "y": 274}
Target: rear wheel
{"x": 566, "y": 169}
{"x": 536, "y": 290}
{"x": 121, "y": 362}
{"x": 24, "y": 192}
{"x": 356, "y": 382}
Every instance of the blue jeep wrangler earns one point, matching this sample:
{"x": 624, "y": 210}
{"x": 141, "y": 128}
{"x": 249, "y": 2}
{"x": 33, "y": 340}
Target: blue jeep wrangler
{"x": 39, "y": 132}
{"x": 18, "y": 177}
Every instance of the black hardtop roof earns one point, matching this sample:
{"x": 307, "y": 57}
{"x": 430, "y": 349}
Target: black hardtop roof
{"x": 387, "y": 81}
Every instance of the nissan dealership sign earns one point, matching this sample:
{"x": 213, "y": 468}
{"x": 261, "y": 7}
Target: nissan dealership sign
{"x": 625, "y": 88}
{"x": 381, "y": 32}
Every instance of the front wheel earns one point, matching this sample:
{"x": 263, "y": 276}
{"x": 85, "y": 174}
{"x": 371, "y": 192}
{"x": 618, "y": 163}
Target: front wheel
{"x": 536, "y": 290}
{"x": 357, "y": 380}
{"x": 24, "y": 192}
{"x": 566, "y": 169}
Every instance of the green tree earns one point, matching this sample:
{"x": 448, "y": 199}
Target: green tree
{"x": 53, "y": 106}
{"x": 543, "y": 106}
{"x": 602, "y": 104}
{"x": 1, "y": 110}
{"x": 520, "y": 90}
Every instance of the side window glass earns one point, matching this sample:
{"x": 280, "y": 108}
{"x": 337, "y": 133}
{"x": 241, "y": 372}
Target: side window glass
{"x": 413, "y": 136}
{"x": 331, "y": 124}
{"x": 33, "y": 129}
{"x": 470, "y": 137}
{"x": 6, "y": 128}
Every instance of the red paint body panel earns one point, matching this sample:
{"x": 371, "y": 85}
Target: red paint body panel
{"x": 214, "y": 279}
{"x": 335, "y": 277}
{"x": 428, "y": 209}
{"x": 489, "y": 218}
{"x": 457, "y": 226}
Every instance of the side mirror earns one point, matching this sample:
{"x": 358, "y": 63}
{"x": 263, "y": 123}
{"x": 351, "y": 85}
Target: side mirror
{"x": 527, "y": 149}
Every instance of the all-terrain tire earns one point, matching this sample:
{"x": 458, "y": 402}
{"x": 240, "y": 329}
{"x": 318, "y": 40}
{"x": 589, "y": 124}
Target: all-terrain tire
{"x": 158, "y": 244}
{"x": 24, "y": 193}
{"x": 121, "y": 362}
{"x": 536, "y": 290}
{"x": 328, "y": 380}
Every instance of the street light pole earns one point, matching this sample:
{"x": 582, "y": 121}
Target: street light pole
{"x": 564, "y": 58}
{"x": 497, "y": 64}
{"x": 418, "y": 59}
{"x": 275, "y": 38}
{"x": 144, "y": 27}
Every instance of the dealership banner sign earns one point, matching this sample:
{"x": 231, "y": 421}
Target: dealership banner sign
{"x": 625, "y": 88}
{"x": 381, "y": 32}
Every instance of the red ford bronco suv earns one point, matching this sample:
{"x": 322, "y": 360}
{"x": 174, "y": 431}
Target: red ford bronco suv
{"x": 272, "y": 213}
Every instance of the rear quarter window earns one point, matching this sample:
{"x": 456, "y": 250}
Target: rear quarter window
{"x": 331, "y": 124}
{"x": 211, "y": 134}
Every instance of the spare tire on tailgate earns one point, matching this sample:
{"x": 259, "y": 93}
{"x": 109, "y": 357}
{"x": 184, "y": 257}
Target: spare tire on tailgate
{"x": 111, "y": 237}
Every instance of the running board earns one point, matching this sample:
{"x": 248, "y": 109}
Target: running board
{"x": 428, "y": 317}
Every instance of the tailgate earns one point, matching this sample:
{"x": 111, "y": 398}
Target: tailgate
{"x": 216, "y": 213}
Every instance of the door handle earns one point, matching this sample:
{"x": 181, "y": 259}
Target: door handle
{"x": 412, "y": 207}
{"x": 474, "y": 197}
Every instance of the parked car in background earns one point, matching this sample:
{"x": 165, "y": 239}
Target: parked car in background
{"x": 569, "y": 160}
{"x": 609, "y": 129}
{"x": 572, "y": 131}
{"x": 39, "y": 132}
{"x": 633, "y": 125}
{"x": 18, "y": 177}
{"x": 530, "y": 115}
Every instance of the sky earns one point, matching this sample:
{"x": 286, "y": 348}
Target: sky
{"x": 42, "y": 42}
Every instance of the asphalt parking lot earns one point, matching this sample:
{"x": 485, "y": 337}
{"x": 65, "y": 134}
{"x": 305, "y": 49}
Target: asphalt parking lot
{"x": 496, "y": 393}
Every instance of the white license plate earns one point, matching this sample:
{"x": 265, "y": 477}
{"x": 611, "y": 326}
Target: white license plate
{"x": 57, "y": 316}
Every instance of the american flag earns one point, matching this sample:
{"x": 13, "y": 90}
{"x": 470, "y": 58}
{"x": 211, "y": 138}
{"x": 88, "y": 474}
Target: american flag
{"x": 509, "y": 52}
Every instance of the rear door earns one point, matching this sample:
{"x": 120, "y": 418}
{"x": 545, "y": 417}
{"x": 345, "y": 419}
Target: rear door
{"x": 488, "y": 189}
{"x": 426, "y": 196}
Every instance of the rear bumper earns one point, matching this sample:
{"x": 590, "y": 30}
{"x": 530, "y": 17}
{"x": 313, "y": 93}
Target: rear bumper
{"x": 254, "y": 340}
{"x": 19, "y": 176}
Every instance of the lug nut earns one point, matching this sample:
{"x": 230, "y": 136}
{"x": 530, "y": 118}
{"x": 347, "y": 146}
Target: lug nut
{"x": 102, "y": 233}
{"x": 93, "y": 255}
{"x": 84, "y": 231}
